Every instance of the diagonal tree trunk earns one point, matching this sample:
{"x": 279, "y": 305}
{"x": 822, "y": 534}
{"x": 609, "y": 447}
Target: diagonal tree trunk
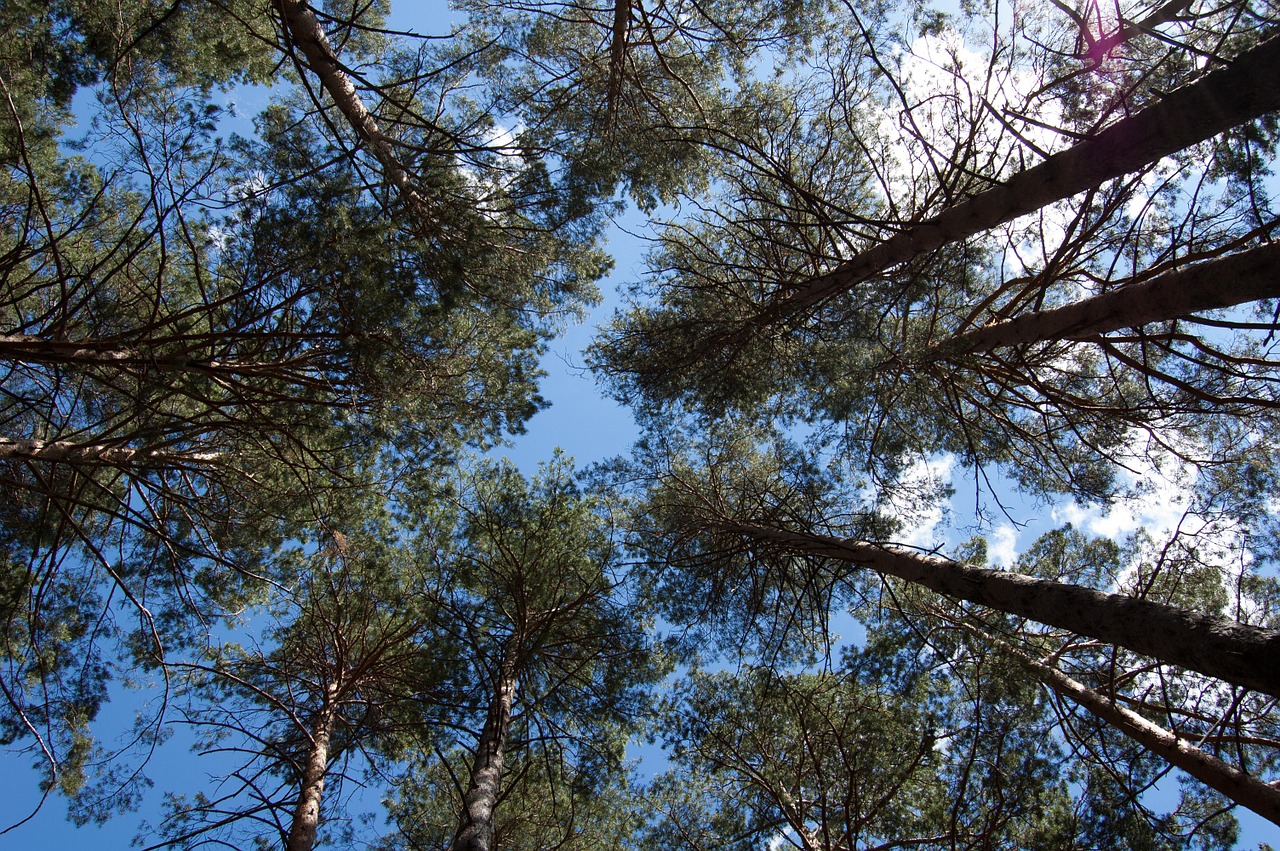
{"x": 1225, "y": 282}
{"x": 477, "y": 828}
{"x": 1245, "y": 789}
{"x": 1096, "y": 49}
{"x": 28, "y": 349}
{"x": 1245, "y": 90}
{"x": 305, "y": 31}
{"x": 63, "y": 451}
{"x": 1245, "y": 655}
{"x": 306, "y": 818}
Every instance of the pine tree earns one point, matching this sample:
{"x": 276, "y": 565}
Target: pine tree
{"x": 843, "y": 257}
{"x": 347, "y": 661}
{"x": 556, "y": 658}
{"x": 200, "y": 334}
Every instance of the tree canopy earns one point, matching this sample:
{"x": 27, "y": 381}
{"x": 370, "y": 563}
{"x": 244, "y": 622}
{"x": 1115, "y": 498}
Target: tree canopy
{"x": 259, "y": 367}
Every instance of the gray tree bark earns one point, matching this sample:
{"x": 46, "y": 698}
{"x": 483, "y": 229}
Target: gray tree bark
{"x": 63, "y": 451}
{"x": 306, "y": 817}
{"x": 477, "y": 829}
{"x": 305, "y": 31}
{"x": 88, "y": 353}
{"x": 1238, "y": 278}
{"x": 1237, "y": 653}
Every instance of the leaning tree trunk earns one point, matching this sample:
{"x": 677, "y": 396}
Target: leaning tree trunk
{"x": 306, "y": 32}
{"x": 1243, "y": 788}
{"x": 477, "y": 828}
{"x": 1096, "y": 49}
{"x": 92, "y": 353}
{"x": 68, "y": 452}
{"x": 1245, "y": 655}
{"x": 306, "y": 818}
{"x": 1226, "y": 282}
{"x": 1247, "y": 89}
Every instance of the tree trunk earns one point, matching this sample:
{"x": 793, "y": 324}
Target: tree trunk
{"x": 617, "y": 58}
{"x": 305, "y": 31}
{"x": 1248, "y": 88}
{"x": 477, "y": 829}
{"x": 306, "y": 818}
{"x": 1245, "y": 789}
{"x": 63, "y": 451}
{"x": 1226, "y": 282}
{"x": 1245, "y": 655}
{"x": 28, "y": 349}
{"x": 1096, "y": 49}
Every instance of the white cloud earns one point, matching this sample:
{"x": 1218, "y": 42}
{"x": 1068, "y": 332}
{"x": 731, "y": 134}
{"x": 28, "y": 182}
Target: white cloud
{"x": 953, "y": 89}
{"x": 490, "y": 176}
{"x": 778, "y": 840}
{"x": 910, "y": 500}
{"x": 219, "y": 238}
{"x": 1151, "y": 181}
{"x": 504, "y": 139}
{"x": 1002, "y": 546}
{"x": 1160, "y": 499}
{"x": 251, "y": 187}
{"x": 1158, "y": 493}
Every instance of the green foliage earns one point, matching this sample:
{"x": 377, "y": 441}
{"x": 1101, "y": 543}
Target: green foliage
{"x": 1098, "y": 777}
{"x": 530, "y": 582}
{"x": 242, "y": 376}
{"x": 351, "y": 635}
{"x": 726, "y": 322}
{"x": 222, "y": 330}
{"x": 625, "y": 92}
{"x": 723, "y": 592}
{"x": 546, "y": 804}
{"x": 836, "y": 760}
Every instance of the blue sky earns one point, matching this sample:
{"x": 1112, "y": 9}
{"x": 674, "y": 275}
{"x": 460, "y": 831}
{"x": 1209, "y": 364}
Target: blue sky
{"x": 580, "y": 420}
{"x": 583, "y": 423}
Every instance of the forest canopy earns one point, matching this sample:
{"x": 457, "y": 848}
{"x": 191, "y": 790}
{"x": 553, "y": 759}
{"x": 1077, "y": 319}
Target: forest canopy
{"x": 263, "y": 371}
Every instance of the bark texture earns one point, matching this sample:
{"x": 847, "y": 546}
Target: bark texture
{"x": 1246, "y": 656}
{"x": 1226, "y": 282}
{"x": 617, "y": 56}
{"x": 305, "y": 31}
{"x": 306, "y": 818}
{"x": 63, "y": 451}
{"x": 477, "y": 828}
{"x": 1245, "y": 789}
{"x": 1247, "y": 89}
{"x": 28, "y": 349}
